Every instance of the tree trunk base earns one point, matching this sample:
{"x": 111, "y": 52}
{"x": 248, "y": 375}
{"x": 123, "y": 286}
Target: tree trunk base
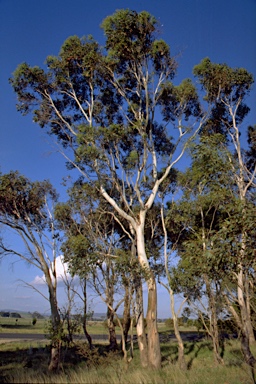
{"x": 249, "y": 358}
{"x": 55, "y": 359}
{"x": 182, "y": 363}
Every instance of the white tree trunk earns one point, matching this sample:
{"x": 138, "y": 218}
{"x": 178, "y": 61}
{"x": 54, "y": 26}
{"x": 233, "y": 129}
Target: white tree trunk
{"x": 154, "y": 352}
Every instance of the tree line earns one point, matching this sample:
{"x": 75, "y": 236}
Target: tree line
{"x": 123, "y": 124}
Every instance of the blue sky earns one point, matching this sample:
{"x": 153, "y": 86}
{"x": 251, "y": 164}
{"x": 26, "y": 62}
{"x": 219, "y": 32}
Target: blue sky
{"x": 31, "y": 30}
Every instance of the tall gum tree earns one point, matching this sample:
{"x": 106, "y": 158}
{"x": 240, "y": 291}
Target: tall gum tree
{"x": 199, "y": 215}
{"x": 102, "y": 105}
{"x": 26, "y": 211}
{"x": 226, "y": 90}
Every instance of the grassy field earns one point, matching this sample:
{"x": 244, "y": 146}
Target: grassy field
{"x": 24, "y": 325}
{"x": 26, "y": 362}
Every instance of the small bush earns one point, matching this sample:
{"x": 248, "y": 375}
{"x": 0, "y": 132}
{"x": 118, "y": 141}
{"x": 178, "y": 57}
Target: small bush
{"x": 34, "y": 321}
{"x": 169, "y": 323}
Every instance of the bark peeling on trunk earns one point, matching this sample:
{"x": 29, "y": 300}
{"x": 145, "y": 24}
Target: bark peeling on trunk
{"x": 154, "y": 352}
{"x": 153, "y": 342}
{"x": 55, "y": 359}
{"x": 140, "y": 326}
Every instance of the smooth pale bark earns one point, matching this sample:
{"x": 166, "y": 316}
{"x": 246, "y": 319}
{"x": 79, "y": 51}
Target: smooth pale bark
{"x": 55, "y": 317}
{"x": 123, "y": 343}
{"x": 154, "y": 352}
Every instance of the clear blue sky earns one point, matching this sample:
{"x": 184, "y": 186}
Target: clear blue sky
{"x": 224, "y": 30}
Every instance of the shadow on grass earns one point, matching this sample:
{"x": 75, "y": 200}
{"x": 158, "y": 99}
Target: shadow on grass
{"x": 36, "y": 360}
{"x": 197, "y": 348}
{"x": 193, "y": 344}
{"x": 170, "y": 352}
{"x": 236, "y": 357}
{"x": 20, "y": 359}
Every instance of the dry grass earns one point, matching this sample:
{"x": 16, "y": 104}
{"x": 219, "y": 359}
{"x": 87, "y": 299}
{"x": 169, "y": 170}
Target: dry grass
{"x": 28, "y": 364}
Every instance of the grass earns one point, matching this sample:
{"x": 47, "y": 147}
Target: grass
{"x": 22, "y": 325}
{"x": 27, "y": 363}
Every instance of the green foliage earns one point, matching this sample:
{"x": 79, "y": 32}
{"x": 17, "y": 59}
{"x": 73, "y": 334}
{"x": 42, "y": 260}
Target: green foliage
{"x": 79, "y": 97}
{"x": 209, "y": 220}
{"x": 169, "y": 323}
{"x": 179, "y": 101}
{"x": 54, "y": 332}
{"x": 129, "y": 34}
{"x": 186, "y": 314}
{"x": 23, "y": 201}
{"x": 251, "y": 152}
{"x": 221, "y": 82}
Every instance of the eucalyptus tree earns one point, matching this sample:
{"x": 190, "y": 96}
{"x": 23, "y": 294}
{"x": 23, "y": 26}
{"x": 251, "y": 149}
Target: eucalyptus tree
{"x": 94, "y": 247}
{"x": 111, "y": 110}
{"x": 198, "y": 217}
{"x": 211, "y": 218}
{"x": 226, "y": 90}
{"x": 26, "y": 210}
{"x": 77, "y": 246}
{"x": 168, "y": 250}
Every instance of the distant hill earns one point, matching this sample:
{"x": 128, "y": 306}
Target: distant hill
{"x": 99, "y": 316}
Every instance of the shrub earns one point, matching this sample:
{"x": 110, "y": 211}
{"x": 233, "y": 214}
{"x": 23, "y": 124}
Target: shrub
{"x": 34, "y": 321}
{"x": 169, "y": 323}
